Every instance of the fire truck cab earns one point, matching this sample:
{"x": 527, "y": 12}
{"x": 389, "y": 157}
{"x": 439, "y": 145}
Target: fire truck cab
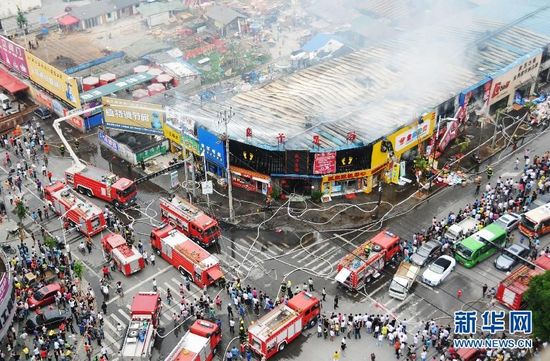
{"x": 275, "y": 330}
{"x": 127, "y": 258}
{"x": 366, "y": 261}
{"x": 200, "y": 343}
{"x": 188, "y": 257}
{"x": 80, "y": 213}
{"x": 190, "y": 220}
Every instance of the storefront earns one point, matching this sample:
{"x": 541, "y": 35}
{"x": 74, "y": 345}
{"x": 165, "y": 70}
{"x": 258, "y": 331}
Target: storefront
{"x": 250, "y": 180}
{"x": 388, "y": 151}
{"x": 174, "y": 136}
{"x": 519, "y": 76}
{"x": 213, "y": 149}
{"x": 346, "y": 183}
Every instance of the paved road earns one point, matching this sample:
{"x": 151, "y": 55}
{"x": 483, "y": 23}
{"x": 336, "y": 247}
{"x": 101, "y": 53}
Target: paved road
{"x": 263, "y": 260}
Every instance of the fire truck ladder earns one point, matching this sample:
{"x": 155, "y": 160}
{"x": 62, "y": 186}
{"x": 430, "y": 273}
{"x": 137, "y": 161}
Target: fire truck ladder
{"x": 521, "y": 275}
{"x": 160, "y": 172}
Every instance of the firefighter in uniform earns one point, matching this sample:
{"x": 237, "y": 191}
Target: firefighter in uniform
{"x": 62, "y": 150}
{"x": 489, "y": 172}
{"x": 76, "y": 144}
{"x": 367, "y": 251}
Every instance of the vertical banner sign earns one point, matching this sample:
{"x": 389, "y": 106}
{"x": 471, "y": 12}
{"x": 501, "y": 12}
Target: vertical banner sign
{"x": 133, "y": 116}
{"x": 174, "y": 179}
{"x": 324, "y": 163}
{"x": 53, "y": 80}
{"x": 13, "y": 56}
{"x": 297, "y": 162}
{"x": 212, "y": 146}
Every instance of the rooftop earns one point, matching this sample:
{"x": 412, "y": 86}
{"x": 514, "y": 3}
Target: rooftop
{"x": 222, "y": 14}
{"x": 379, "y": 89}
{"x": 100, "y": 7}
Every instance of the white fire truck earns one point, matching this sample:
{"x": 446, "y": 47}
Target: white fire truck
{"x": 140, "y": 335}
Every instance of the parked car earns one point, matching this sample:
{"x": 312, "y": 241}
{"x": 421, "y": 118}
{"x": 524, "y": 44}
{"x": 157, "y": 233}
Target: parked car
{"x": 43, "y": 296}
{"x": 42, "y": 113}
{"x": 509, "y": 221}
{"x": 438, "y": 270}
{"x": 510, "y": 256}
{"x": 425, "y": 253}
{"x": 49, "y": 318}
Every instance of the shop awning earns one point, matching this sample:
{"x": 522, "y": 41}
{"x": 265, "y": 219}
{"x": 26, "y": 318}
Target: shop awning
{"x": 215, "y": 273}
{"x": 67, "y": 20}
{"x": 11, "y": 83}
{"x": 251, "y": 174}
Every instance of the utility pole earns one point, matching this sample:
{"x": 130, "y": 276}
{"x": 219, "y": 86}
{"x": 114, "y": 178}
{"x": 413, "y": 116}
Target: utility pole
{"x": 225, "y": 117}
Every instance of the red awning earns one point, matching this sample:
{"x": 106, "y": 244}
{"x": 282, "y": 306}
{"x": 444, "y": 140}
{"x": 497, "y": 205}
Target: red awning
{"x": 67, "y": 20}
{"x": 11, "y": 83}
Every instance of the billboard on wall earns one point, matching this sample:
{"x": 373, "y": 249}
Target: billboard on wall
{"x": 180, "y": 120}
{"x": 133, "y": 116}
{"x": 416, "y": 133}
{"x": 13, "y": 56}
{"x": 212, "y": 146}
{"x": 260, "y": 160}
{"x": 521, "y": 71}
{"x": 53, "y": 80}
{"x": 324, "y": 163}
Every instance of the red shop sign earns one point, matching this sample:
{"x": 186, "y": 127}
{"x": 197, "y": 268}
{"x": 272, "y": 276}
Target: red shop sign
{"x": 324, "y": 163}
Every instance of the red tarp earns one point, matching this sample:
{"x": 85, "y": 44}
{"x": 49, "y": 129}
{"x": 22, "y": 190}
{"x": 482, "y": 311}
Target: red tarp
{"x": 67, "y": 20}
{"x": 11, "y": 83}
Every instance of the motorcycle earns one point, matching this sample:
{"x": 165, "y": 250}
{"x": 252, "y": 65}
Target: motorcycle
{"x": 8, "y": 249}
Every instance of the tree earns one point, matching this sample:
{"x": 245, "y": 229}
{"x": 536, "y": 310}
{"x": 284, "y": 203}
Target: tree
{"x": 536, "y": 299}
{"x": 21, "y": 212}
{"x": 78, "y": 269}
{"x": 50, "y": 242}
{"x": 21, "y": 19}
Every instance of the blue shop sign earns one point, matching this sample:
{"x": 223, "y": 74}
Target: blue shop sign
{"x": 212, "y": 146}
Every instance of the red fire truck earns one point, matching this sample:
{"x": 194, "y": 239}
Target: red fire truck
{"x": 275, "y": 330}
{"x": 188, "y": 257}
{"x": 99, "y": 183}
{"x": 358, "y": 268}
{"x": 511, "y": 289}
{"x": 189, "y": 219}
{"x": 66, "y": 203}
{"x": 200, "y": 343}
{"x": 144, "y": 320}
{"x": 127, "y": 258}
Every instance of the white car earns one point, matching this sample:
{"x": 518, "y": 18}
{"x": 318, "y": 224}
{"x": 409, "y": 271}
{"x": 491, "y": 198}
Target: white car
{"x": 438, "y": 270}
{"x": 509, "y": 221}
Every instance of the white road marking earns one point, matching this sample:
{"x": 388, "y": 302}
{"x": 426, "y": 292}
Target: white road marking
{"x": 320, "y": 258}
{"x": 124, "y": 314}
{"x": 139, "y": 284}
{"x": 297, "y": 254}
{"x": 378, "y": 289}
{"x": 402, "y": 303}
{"x": 111, "y": 339}
{"x": 118, "y": 320}
{"x": 314, "y": 253}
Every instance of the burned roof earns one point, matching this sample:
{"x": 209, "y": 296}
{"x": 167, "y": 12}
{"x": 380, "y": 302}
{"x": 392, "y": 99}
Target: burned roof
{"x": 222, "y": 14}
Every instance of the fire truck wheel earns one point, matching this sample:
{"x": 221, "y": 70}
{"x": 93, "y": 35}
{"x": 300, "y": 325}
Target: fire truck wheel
{"x": 80, "y": 190}
{"x": 157, "y": 251}
{"x": 116, "y": 204}
{"x": 282, "y": 346}
{"x": 182, "y": 271}
{"x": 312, "y": 322}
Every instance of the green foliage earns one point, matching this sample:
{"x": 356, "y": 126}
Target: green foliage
{"x": 421, "y": 163}
{"x": 21, "y": 19}
{"x": 78, "y": 269}
{"x": 50, "y": 242}
{"x": 536, "y": 299}
{"x": 464, "y": 145}
{"x": 316, "y": 195}
{"x": 20, "y": 210}
{"x": 276, "y": 193}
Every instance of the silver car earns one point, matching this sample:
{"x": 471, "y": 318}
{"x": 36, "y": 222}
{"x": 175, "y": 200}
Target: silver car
{"x": 508, "y": 221}
{"x": 510, "y": 257}
{"x": 425, "y": 252}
